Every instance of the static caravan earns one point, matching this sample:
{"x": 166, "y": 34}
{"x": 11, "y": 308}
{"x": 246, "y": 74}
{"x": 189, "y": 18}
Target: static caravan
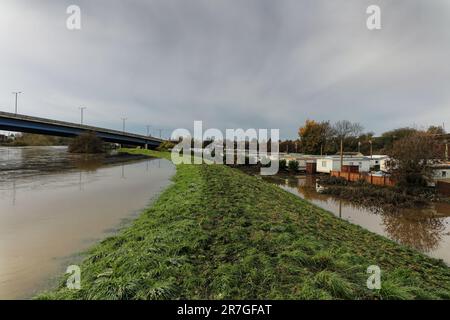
{"x": 376, "y": 160}
{"x": 384, "y": 164}
{"x": 441, "y": 171}
{"x": 333, "y": 163}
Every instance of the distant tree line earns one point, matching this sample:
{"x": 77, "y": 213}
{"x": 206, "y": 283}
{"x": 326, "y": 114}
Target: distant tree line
{"x": 31, "y": 139}
{"x": 324, "y": 138}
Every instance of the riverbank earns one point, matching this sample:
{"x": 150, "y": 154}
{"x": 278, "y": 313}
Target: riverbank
{"x": 217, "y": 233}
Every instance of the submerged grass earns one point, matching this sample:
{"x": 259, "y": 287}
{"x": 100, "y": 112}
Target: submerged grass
{"x": 217, "y": 233}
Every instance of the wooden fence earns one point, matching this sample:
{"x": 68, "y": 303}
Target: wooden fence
{"x": 357, "y": 176}
{"x": 443, "y": 187}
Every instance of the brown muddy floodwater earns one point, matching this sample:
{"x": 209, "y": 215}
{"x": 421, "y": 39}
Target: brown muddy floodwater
{"x": 54, "y": 205}
{"x": 427, "y": 230}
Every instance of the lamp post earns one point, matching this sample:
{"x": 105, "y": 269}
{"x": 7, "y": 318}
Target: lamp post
{"x": 82, "y": 114}
{"x": 148, "y": 135}
{"x": 16, "y": 93}
{"x": 123, "y": 123}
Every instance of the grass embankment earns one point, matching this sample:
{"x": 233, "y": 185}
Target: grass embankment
{"x": 217, "y": 233}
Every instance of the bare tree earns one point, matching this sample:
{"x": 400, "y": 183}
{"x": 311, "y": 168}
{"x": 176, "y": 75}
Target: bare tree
{"x": 344, "y": 129}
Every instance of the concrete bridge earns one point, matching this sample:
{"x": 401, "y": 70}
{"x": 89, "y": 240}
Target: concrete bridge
{"x": 22, "y": 123}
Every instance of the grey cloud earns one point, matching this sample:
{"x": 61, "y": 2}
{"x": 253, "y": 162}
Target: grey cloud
{"x": 254, "y": 63}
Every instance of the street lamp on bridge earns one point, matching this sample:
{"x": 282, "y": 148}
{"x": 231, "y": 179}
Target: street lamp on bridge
{"x": 82, "y": 113}
{"x": 16, "y": 93}
{"x": 123, "y": 121}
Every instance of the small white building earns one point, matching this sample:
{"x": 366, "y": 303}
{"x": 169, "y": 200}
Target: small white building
{"x": 333, "y": 163}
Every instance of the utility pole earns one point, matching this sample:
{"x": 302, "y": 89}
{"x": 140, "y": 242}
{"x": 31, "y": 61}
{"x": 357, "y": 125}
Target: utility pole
{"x": 82, "y": 114}
{"x": 123, "y": 122}
{"x": 446, "y": 150}
{"x": 371, "y": 150}
{"x": 342, "y": 154}
{"x": 16, "y": 93}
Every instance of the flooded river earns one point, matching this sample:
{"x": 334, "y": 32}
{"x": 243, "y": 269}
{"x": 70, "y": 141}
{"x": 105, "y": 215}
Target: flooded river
{"x": 427, "y": 230}
{"x": 54, "y": 205}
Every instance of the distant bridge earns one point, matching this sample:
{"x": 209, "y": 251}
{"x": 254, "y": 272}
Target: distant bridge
{"x": 22, "y": 123}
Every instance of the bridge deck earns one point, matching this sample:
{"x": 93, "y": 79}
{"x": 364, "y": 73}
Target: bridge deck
{"x": 23, "y": 123}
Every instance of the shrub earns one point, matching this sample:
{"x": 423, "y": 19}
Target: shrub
{"x": 265, "y": 162}
{"x": 87, "y": 142}
{"x": 293, "y": 165}
{"x": 283, "y": 164}
{"x": 165, "y": 146}
{"x": 332, "y": 180}
{"x": 412, "y": 158}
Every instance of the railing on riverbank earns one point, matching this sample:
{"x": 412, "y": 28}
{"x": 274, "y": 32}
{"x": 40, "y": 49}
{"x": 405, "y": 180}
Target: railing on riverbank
{"x": 357, "y": 176}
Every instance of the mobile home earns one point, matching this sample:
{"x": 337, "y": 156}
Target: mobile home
{"x": 333, "y": 163}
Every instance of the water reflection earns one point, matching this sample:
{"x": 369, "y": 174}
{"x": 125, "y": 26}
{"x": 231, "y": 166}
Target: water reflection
{"x": 47, "y": 215}
{"x": 424, "y": 229}
{"x": 422, "y": 232}
{"x": 88, "y": 162}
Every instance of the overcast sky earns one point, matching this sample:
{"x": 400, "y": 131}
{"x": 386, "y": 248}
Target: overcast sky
{"x": 230, "y": 63}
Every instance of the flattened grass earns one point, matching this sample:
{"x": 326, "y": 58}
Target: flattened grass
{"x": 217, "y": 233}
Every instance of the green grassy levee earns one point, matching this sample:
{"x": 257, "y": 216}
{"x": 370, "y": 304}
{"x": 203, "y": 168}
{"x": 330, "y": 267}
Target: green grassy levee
{"x": 217, "y": 233}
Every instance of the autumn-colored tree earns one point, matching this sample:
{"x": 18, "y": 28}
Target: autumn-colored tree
{"x": 314, "y": 136}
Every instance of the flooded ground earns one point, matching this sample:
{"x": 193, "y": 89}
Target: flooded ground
{"x": 427, "y": 230}
{"x": 54, "y": 205}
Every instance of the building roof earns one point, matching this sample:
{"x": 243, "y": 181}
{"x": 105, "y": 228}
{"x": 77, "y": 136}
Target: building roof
{"x": 351, "y": 154}
{"x": 443, "y": 165}
{"x": 346, "y": 158}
